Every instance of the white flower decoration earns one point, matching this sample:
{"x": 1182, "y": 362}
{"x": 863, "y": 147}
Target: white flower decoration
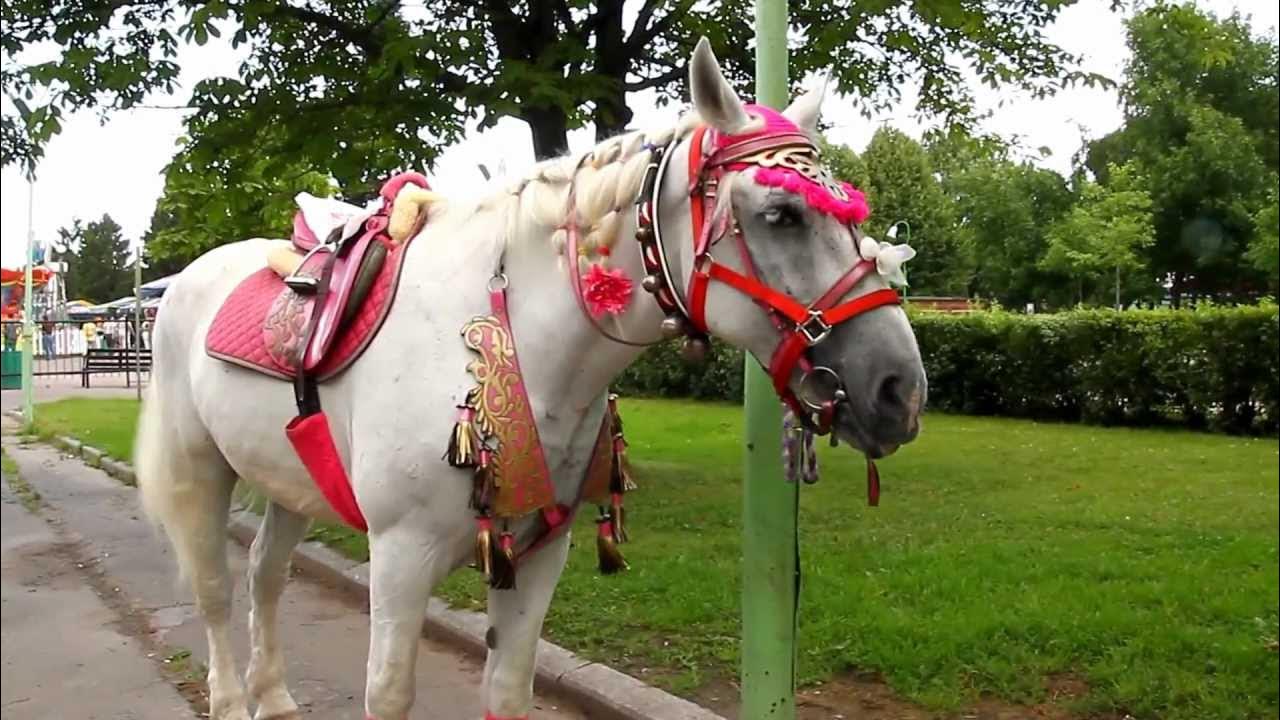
{"x": 888, "y": 258}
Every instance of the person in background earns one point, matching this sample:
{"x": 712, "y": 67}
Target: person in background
{"x": 47, "y": 330}
{"x": 90, "y": 330}
{"x": 9, "y": 316}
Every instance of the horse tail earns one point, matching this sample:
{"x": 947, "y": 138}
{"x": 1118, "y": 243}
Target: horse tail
{"x": 147, "y": 455}
{"x": 184, "y": 483}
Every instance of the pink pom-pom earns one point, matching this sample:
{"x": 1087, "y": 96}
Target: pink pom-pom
{"x": 606, "y": 291}
{"x": 818, "y": 197}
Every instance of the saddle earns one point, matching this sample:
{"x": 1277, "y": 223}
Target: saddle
{"x": 339, "y": 271}
{"x": 325, "y": 291}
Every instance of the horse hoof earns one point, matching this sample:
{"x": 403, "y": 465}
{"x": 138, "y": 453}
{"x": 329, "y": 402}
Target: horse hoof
{"x": 294, "y": 714}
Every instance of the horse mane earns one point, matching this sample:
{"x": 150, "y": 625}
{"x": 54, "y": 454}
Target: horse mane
{"x": 604, "y": 181}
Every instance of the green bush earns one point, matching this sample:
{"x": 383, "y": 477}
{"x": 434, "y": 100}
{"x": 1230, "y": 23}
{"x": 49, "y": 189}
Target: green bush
{"x": 1214, "y": 368}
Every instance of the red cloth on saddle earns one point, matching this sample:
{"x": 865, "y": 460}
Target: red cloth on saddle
{"x": 236, "y": 334}
{"x": 312, "y": 440}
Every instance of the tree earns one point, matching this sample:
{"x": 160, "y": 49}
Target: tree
{"x": 1105, "y": 233}
{"x": 100, "y": 264}
{"x": 1264, "y": 252}
{"x": 902, "y": 187}
{"x": 233, "y": 196}
{"x": 1001, "y": 209}
{"x": 362, "y": 87}
{"x": 1201, "y": 102}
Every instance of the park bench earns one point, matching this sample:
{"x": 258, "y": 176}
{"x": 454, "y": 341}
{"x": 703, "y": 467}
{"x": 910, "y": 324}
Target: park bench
{"x": 114, "y": 360}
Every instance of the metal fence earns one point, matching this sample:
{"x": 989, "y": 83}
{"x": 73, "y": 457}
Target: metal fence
{"x": 91, "y": 350}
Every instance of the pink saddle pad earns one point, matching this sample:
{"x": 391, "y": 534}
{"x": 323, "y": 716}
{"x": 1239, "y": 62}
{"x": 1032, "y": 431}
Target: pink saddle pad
{"x": 260, "y": 324}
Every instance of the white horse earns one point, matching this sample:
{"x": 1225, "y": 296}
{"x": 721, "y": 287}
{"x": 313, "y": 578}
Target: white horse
{"x": 206, "y": 422}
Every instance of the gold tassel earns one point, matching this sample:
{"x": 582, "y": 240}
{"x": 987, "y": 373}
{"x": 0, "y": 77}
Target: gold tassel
{"x": 622, "y": 480}
{"x": 482, "y": 482}
{"x": 463, "y": 441}
{"x": 504, "y": 563}
{"x": 614, "y": 417}
{"x": 484, "y": 547}
{"x": 622, "y": 467}
{"x": 611, "y": 560}
{"x": 618, "y": 514}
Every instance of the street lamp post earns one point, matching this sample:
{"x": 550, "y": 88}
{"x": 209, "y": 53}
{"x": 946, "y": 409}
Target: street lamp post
{"x": 28, "y": 322}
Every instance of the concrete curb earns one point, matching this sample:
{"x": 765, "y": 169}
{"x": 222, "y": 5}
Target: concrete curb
{"x": 600, "y": 690}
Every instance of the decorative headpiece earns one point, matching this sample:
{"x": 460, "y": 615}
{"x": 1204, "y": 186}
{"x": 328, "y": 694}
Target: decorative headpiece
{"x": 796, "y": 168}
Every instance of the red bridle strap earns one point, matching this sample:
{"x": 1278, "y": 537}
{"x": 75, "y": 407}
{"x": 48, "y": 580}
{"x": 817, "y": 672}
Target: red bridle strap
{"x": 809, "y": 323}
{"x": 787, "y": 306}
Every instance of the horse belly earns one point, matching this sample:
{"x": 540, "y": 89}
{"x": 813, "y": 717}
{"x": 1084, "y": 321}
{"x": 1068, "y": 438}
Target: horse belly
{"x": 245, "y": 413}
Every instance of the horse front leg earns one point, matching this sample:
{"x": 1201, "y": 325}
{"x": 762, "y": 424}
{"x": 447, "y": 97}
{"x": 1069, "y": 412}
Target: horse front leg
{"x": 515, "y": 619}
{"x": 405, "y": 564}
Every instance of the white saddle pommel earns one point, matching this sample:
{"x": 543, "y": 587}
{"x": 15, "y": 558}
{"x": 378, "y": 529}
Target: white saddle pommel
{"x": 410, "y": 202}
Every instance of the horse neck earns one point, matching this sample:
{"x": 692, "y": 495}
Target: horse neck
{"x": 565, "y": 361}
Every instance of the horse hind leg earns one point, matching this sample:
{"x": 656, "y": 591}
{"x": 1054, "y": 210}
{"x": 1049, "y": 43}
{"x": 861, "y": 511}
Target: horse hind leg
{"x": 280, "y": 532}
{"x": 186, "y": 487}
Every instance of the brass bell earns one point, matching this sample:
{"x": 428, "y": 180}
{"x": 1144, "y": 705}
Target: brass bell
{"x": 651, "y": 283}
{"x": 672, "y": 326}
{"x": 695, "y": 350}
{"x": 644, "y": 233}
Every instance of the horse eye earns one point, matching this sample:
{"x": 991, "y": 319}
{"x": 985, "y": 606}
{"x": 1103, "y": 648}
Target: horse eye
{"x": 781, "y": 216}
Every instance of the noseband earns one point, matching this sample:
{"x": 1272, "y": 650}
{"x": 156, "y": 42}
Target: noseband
{"x": 801, "y": 325}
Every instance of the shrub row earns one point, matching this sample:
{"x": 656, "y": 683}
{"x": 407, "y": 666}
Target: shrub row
{"x": 1212, "y": 368}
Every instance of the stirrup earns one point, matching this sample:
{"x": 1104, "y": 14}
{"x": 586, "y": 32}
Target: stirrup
{"x": 306, "y": 284}
{"x": 302, "y": 284}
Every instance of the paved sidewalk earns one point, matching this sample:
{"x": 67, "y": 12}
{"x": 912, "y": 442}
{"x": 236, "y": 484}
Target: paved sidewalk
{"x": 325, "y": 636}
{"x": 63, "y": 652}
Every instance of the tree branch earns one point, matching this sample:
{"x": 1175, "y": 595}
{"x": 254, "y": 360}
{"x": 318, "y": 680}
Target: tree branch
{"x": 566, "y": 19}
{"x": 642, "y": 20}
{"x": 362, "y": 37}
{"x": 670, "y": 76}
{"x": 382, "y": 15}
{"x": 641, "y": 37}
{"x": 508, "y": 30}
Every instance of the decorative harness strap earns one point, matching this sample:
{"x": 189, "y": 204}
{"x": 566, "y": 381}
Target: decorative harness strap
{"x": 496, "y": 437}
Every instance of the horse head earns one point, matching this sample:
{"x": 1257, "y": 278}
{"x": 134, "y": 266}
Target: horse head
{"x": 753, "y": 242}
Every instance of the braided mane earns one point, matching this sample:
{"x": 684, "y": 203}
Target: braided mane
{"x": 605, "y": 182}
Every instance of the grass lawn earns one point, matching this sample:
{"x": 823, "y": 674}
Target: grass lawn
{"x": 1003, "y": 552}
{"x": 105, "y": 423}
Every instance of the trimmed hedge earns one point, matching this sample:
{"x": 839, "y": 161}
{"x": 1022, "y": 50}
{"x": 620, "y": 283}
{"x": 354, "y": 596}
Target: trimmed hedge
{"x": 1212, "y": 368}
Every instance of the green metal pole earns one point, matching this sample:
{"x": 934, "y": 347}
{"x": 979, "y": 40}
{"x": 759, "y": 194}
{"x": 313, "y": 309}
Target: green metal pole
{"x": 28, "y": 322}
{"x": 769, "y": 570}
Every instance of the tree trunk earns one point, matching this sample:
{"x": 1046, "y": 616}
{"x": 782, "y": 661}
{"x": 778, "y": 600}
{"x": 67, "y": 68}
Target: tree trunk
{"x": 1117, "y": 287}
{"x": 612, "y": 61}
{"x": 550, "y": 129}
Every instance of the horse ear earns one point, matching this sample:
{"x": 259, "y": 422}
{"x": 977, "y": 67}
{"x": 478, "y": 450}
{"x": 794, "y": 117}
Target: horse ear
{"x": 805, "y": 110}
{"x": 713, "y": 97}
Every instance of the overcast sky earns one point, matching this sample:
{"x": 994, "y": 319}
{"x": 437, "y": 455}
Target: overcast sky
{"x": 91, "y": 169}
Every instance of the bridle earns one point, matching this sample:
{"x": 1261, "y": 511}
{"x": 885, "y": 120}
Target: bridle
{"x": 801, "y": 325}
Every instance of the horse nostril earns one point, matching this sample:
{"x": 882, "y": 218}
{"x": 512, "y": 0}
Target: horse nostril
{"x": 889, "y": 396}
